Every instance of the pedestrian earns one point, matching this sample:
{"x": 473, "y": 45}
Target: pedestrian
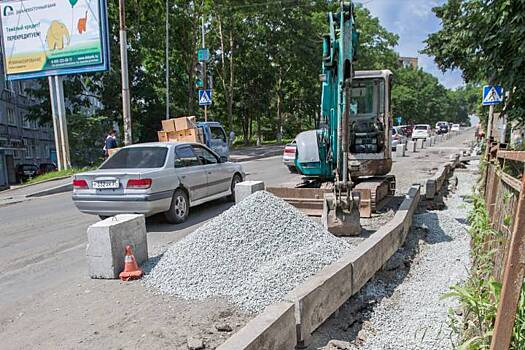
{"x": 232, "y": 137}
{"x": 110, "y": 142}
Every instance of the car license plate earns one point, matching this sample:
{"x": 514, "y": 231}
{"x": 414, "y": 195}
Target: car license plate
{"x": 104, "y": 184}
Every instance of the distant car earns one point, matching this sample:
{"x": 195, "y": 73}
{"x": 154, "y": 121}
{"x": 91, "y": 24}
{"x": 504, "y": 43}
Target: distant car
{"x": 25, "y": 171}
{"x": 46, "y": 168}
{"x": 289, "y": 156}
{"x": 398, "y": 137}
{"x": 455, "y": 127}
{"x": 157, "y": 177}
{"x": 421, "y": 131}
{"x": 442, "y": 127}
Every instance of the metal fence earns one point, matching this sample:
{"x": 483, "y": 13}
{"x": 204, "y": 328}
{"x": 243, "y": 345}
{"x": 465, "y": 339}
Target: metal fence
{"x": 505, "y": 199}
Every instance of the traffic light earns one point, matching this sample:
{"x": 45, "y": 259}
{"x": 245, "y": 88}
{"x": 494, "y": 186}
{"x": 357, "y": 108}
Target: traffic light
{"x": 199, "y": 74}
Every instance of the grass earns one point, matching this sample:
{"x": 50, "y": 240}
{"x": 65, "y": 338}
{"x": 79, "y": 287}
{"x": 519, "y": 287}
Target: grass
{"x": 56, "y": 174}
{"x": 480, "y": 294}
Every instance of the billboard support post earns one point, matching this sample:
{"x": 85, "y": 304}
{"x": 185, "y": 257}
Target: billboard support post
{"x": 56, "y": 127}
{"x": 126, "y": 108}
{"x": 61, "y": 108}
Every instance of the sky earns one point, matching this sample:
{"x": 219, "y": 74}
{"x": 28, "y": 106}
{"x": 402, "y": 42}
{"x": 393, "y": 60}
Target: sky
{"x": 413, "y": 20}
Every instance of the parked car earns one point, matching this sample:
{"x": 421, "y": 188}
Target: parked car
{"x": 455, "y": 127}
{"x": 25, "y": 171}
{"x": 398, "y": 137}
{"x": 157, "y": 177}
{"x": 46, "y": 168}
{"x": 289, "y": 156}
{"x": 421, "y": 131}
{"x": 442, "y": 127}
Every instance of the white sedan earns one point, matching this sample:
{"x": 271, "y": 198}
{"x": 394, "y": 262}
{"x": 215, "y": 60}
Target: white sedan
{"x": 158, "y": 177}
{"x": 421, "y": 131}
{"x": 455, "y": 127}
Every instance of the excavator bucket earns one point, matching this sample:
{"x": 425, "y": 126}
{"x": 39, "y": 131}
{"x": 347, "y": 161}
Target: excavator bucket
{"x": 341, "y": 216}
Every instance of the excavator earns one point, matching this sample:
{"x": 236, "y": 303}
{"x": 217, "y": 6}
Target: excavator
{"x": 345, "y": 161}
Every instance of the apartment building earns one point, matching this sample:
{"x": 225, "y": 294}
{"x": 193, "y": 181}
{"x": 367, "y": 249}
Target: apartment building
{"x": 21, "y": 141}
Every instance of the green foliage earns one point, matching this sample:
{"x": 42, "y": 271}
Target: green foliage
{"x": 486, "y": 40}
{"x": 265, "y": 62}
{"x": 480, "y": 294}
{"x": 56, "y": 174}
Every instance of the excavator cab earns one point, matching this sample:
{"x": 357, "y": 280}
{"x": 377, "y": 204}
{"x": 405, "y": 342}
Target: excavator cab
{"x": 370, "y": 124}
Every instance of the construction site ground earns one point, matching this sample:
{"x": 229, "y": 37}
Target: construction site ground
{"x": 48, "y": 300}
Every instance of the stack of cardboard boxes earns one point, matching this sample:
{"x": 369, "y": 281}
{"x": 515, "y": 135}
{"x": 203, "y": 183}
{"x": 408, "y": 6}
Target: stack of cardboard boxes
{"x": 182, "y": 129}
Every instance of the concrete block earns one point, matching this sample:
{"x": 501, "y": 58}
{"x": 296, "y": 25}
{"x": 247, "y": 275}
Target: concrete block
{"x": 273, "y": 329}
{"x": 432, "y": 140}
{"x": 320, "y": 296}
{"x": 411, "y": 146}
{"x": 400, "y": 150}
{"x": 373, "y": 253}
{"x": 246, "y": 188}
{"x": 107, "y": 241}
{"x": 420, "y": 144}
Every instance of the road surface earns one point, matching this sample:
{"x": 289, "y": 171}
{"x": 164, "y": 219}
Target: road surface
{"x": 48, "y": 301}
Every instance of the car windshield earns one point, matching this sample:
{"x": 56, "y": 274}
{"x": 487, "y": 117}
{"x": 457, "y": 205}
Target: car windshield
{"x": 137, "y": 157}
{"x": 421, "y": 127}
{"x": 394, "y": 131}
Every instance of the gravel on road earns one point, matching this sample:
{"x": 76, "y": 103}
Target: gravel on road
{"x": 253, "y": 254}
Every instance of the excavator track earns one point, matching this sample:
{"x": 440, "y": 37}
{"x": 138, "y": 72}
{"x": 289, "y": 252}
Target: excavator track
{"x": 373, "y": 192}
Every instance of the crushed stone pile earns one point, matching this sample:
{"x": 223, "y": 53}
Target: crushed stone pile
{"x": 252, "y": 254}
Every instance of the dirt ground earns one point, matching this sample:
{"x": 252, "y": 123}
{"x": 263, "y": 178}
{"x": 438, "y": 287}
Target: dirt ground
{"x": 80, "y": 313}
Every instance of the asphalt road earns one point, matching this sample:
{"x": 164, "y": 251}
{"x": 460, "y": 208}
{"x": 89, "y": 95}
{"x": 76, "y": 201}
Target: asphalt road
{"x": 43, "y": 241}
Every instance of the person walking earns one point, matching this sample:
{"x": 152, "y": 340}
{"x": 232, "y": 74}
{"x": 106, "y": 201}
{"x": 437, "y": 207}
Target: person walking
{"x": 110, "y": 142}
{"x": 232, "y": 137}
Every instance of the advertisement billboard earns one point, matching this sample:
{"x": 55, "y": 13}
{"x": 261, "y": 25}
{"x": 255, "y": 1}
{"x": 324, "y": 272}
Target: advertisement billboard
{"x": 54, "y": 37}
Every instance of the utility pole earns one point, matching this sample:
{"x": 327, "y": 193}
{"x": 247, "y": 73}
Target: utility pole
{"x": 126, "y": 105}
{"x": 167, "y": 61}
{"x": 205, "y": 82}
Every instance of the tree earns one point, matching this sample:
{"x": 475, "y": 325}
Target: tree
{"x": 486, "y": 40}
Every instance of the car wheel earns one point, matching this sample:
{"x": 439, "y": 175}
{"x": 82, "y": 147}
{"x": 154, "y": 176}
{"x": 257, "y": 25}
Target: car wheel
{"x": 179, "y": 208}
{"x": 292, "y": 169}
{"x": 103, "y": 217}
{"x": 236, "y": 179}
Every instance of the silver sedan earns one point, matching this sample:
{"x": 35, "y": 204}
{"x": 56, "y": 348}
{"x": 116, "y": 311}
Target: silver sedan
{"x": 157, "y": 177}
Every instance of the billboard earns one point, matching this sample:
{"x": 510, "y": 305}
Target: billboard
{"x": 54, "y": 37}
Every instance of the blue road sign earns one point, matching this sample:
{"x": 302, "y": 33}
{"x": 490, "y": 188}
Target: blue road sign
{"x": 203, "y": 54}
{"x": 492, "y": 95}
{"x": 205, "y": 97}
{"x": 399, "y": 120}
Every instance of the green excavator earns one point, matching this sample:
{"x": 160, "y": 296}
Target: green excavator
{"x": 345, "y": 160}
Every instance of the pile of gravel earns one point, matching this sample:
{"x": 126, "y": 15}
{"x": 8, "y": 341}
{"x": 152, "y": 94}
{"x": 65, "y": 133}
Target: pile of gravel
{"x": 252, "y": 254}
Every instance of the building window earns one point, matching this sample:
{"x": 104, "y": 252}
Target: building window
{"x": 17, "y": 154}
{"x": 27, "y": 123}
{"x": 11, "y": 119}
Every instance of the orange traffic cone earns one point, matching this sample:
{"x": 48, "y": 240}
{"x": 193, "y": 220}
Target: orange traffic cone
{"x": 131, "y": 269}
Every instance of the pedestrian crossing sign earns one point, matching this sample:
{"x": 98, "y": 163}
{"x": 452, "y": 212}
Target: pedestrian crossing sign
{"x": 492, "y": 95}
{"x": 205, "y": 97}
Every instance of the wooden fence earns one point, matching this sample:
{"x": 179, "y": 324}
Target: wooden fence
{"x": 505, "y": 199}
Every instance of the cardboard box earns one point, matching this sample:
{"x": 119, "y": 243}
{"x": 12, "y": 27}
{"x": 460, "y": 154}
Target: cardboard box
{"x": 112, "y": 151}
{"x": 184, "y": 123}
{"x": 188, "y": 135}
{"x": 168, "y": 125}
{"x": 163, "y": 136}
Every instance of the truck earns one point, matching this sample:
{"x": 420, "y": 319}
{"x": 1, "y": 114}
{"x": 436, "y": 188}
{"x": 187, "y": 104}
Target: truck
{"x": 210, "y": 133}
{"x": 346, "y": 160}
